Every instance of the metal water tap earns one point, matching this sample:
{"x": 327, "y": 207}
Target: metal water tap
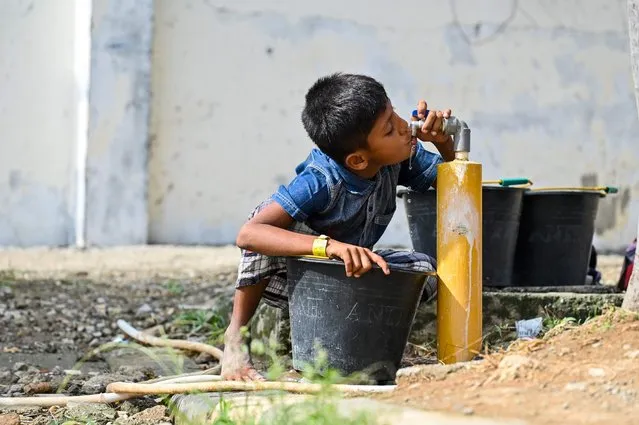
{"x": 451, "y": 126}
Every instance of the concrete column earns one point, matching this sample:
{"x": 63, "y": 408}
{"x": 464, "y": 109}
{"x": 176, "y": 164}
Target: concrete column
{"x": 118, "y": 136}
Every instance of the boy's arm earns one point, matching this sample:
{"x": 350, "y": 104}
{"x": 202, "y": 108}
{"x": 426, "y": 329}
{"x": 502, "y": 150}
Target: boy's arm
{"x": 267, "y": 234}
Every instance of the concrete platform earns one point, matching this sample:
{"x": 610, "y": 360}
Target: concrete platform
{"x": 205, "y": 408}
{"x": 502, "y": 308}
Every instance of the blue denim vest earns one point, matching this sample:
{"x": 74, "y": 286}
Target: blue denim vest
{"x": 333, "y": 201}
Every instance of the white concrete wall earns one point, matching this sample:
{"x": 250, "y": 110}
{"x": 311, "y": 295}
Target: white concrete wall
{"x": 37, "y": 123}
{"x": 545, "y": 87}
{"x": 120, "y": 104}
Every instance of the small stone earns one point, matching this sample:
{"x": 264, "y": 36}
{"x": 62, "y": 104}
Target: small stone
{"x": 627, "y": 347}
{"x": 85, "y": 412}
{"x": 20, "y": 366}
{"x": 596, "y": 345}
{"x": 15, "y": 389}
{"x": 97, "y": 334}
{"x": 143, "y": 310}
{"x": 566, "y": 405}
{"x": 575, "y": 386}
{"x": 94, "y": 342}
{"x": 38, "y": 388}
{"x": 67, "y": 341}
{"x": 10, "y": 419}
{"x": 596, "y": 372}
{"x": 98, "y": 384}
{"x": 152, "y": 415}
{"x": 468, "y": 411}
{"x": 632, "y": 354}
{"x": 101, "y": 309}
{"x": 5, "y": 376}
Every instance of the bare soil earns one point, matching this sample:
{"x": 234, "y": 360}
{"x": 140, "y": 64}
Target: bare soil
{"x": 584, "y": 375}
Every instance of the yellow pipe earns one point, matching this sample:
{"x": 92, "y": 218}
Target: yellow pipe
{"x": 459, "y": 260}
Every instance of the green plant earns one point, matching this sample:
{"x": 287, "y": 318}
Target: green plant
{"x": 174, "y": 287}
{"x": 210, "y": 322}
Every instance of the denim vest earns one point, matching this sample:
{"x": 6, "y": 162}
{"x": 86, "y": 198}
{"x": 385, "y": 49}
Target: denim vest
{"x": 333, "y": 201}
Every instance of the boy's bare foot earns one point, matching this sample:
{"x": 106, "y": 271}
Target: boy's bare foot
{"x": 236, "y": 364}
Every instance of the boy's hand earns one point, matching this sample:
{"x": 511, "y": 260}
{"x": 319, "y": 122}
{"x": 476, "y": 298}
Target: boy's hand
{"x": 357, "y": 260}
{"x": 431, "y": 131}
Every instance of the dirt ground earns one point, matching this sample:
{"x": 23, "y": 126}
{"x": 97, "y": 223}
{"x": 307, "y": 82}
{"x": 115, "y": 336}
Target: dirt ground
{"x": 585, "y": 375}
{"x": 66, "y": 302}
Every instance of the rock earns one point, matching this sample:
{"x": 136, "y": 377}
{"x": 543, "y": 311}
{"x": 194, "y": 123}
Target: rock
{"x": 575, "y": 386}
{"x": 10, "y": 419}
{"x": 143, "y": 310}
{"x": 146, "y": 417}
{"x": 514, "y": 365}
{"x": 98, "y": 384}
{"x": 39, "y": 388}
{"x": 136, "y": 373}
{"x": 15, "y": 389}
{"x": 434, "y": 372}
{"x": 6, "y": 377}
{"x": 468, "y": 411}
{"x": 85, "y": 412}
{"x": 19, "y": 366}
{"x": 632, "y": 354}
{"x": 627, "y": 347}
{"x": 596, "y": 372}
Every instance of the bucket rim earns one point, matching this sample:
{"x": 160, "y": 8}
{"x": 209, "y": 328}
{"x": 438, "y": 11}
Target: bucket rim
{"x": 407, "y": 191}
{"x": 328, "y": 261}
{"x": 566, "y": 192}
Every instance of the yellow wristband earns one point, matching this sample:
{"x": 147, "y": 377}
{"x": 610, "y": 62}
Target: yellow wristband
{"x": 319, "y": 246}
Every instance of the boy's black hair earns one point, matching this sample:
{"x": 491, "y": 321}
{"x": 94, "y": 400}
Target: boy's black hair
{"x": 340, "y": 112}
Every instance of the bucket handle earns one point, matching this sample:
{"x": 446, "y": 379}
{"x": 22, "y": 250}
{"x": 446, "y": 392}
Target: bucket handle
{"x": 513, "y": 181}
{"x": 604, "y": 190}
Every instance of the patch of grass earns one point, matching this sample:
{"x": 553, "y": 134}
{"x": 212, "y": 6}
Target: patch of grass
{"x": 174, "y": 287}
{"x": 210, "y": 322}
{"x": 7, "y": 277}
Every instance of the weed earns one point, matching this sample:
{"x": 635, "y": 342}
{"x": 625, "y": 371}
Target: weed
{"x": 7, "y": 277}
{"x": 174, "y": 287}
{"x": 209, "y": 322}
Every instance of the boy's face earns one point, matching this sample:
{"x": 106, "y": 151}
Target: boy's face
{"x": 389, "y": 142}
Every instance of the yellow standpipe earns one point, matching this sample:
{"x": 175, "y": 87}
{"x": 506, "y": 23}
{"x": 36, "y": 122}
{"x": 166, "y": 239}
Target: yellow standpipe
{"x": 459, "y": 250}
{"x": 459, "y": 259}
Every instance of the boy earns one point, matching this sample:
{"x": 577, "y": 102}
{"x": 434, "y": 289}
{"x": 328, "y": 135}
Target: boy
{"x": 341, "y": 200}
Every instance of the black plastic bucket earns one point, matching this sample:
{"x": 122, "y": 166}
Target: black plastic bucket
{"x": 361, "y": 323}
{"x": 501, "y": 210}
{"x": 555, "y": 237}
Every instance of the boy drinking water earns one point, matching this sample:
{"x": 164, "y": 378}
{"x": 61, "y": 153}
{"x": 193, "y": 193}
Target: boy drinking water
{"x": 341, "y": 200}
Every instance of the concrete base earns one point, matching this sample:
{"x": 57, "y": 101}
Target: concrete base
{"x": 205, "y": 408}
{"x": 501, "y": 308}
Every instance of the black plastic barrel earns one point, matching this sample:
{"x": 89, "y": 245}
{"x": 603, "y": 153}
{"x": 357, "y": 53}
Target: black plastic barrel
{"x": 555, "y": 237}
{"x": 501, "y": 210}
{"x": 361, "y": 323}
